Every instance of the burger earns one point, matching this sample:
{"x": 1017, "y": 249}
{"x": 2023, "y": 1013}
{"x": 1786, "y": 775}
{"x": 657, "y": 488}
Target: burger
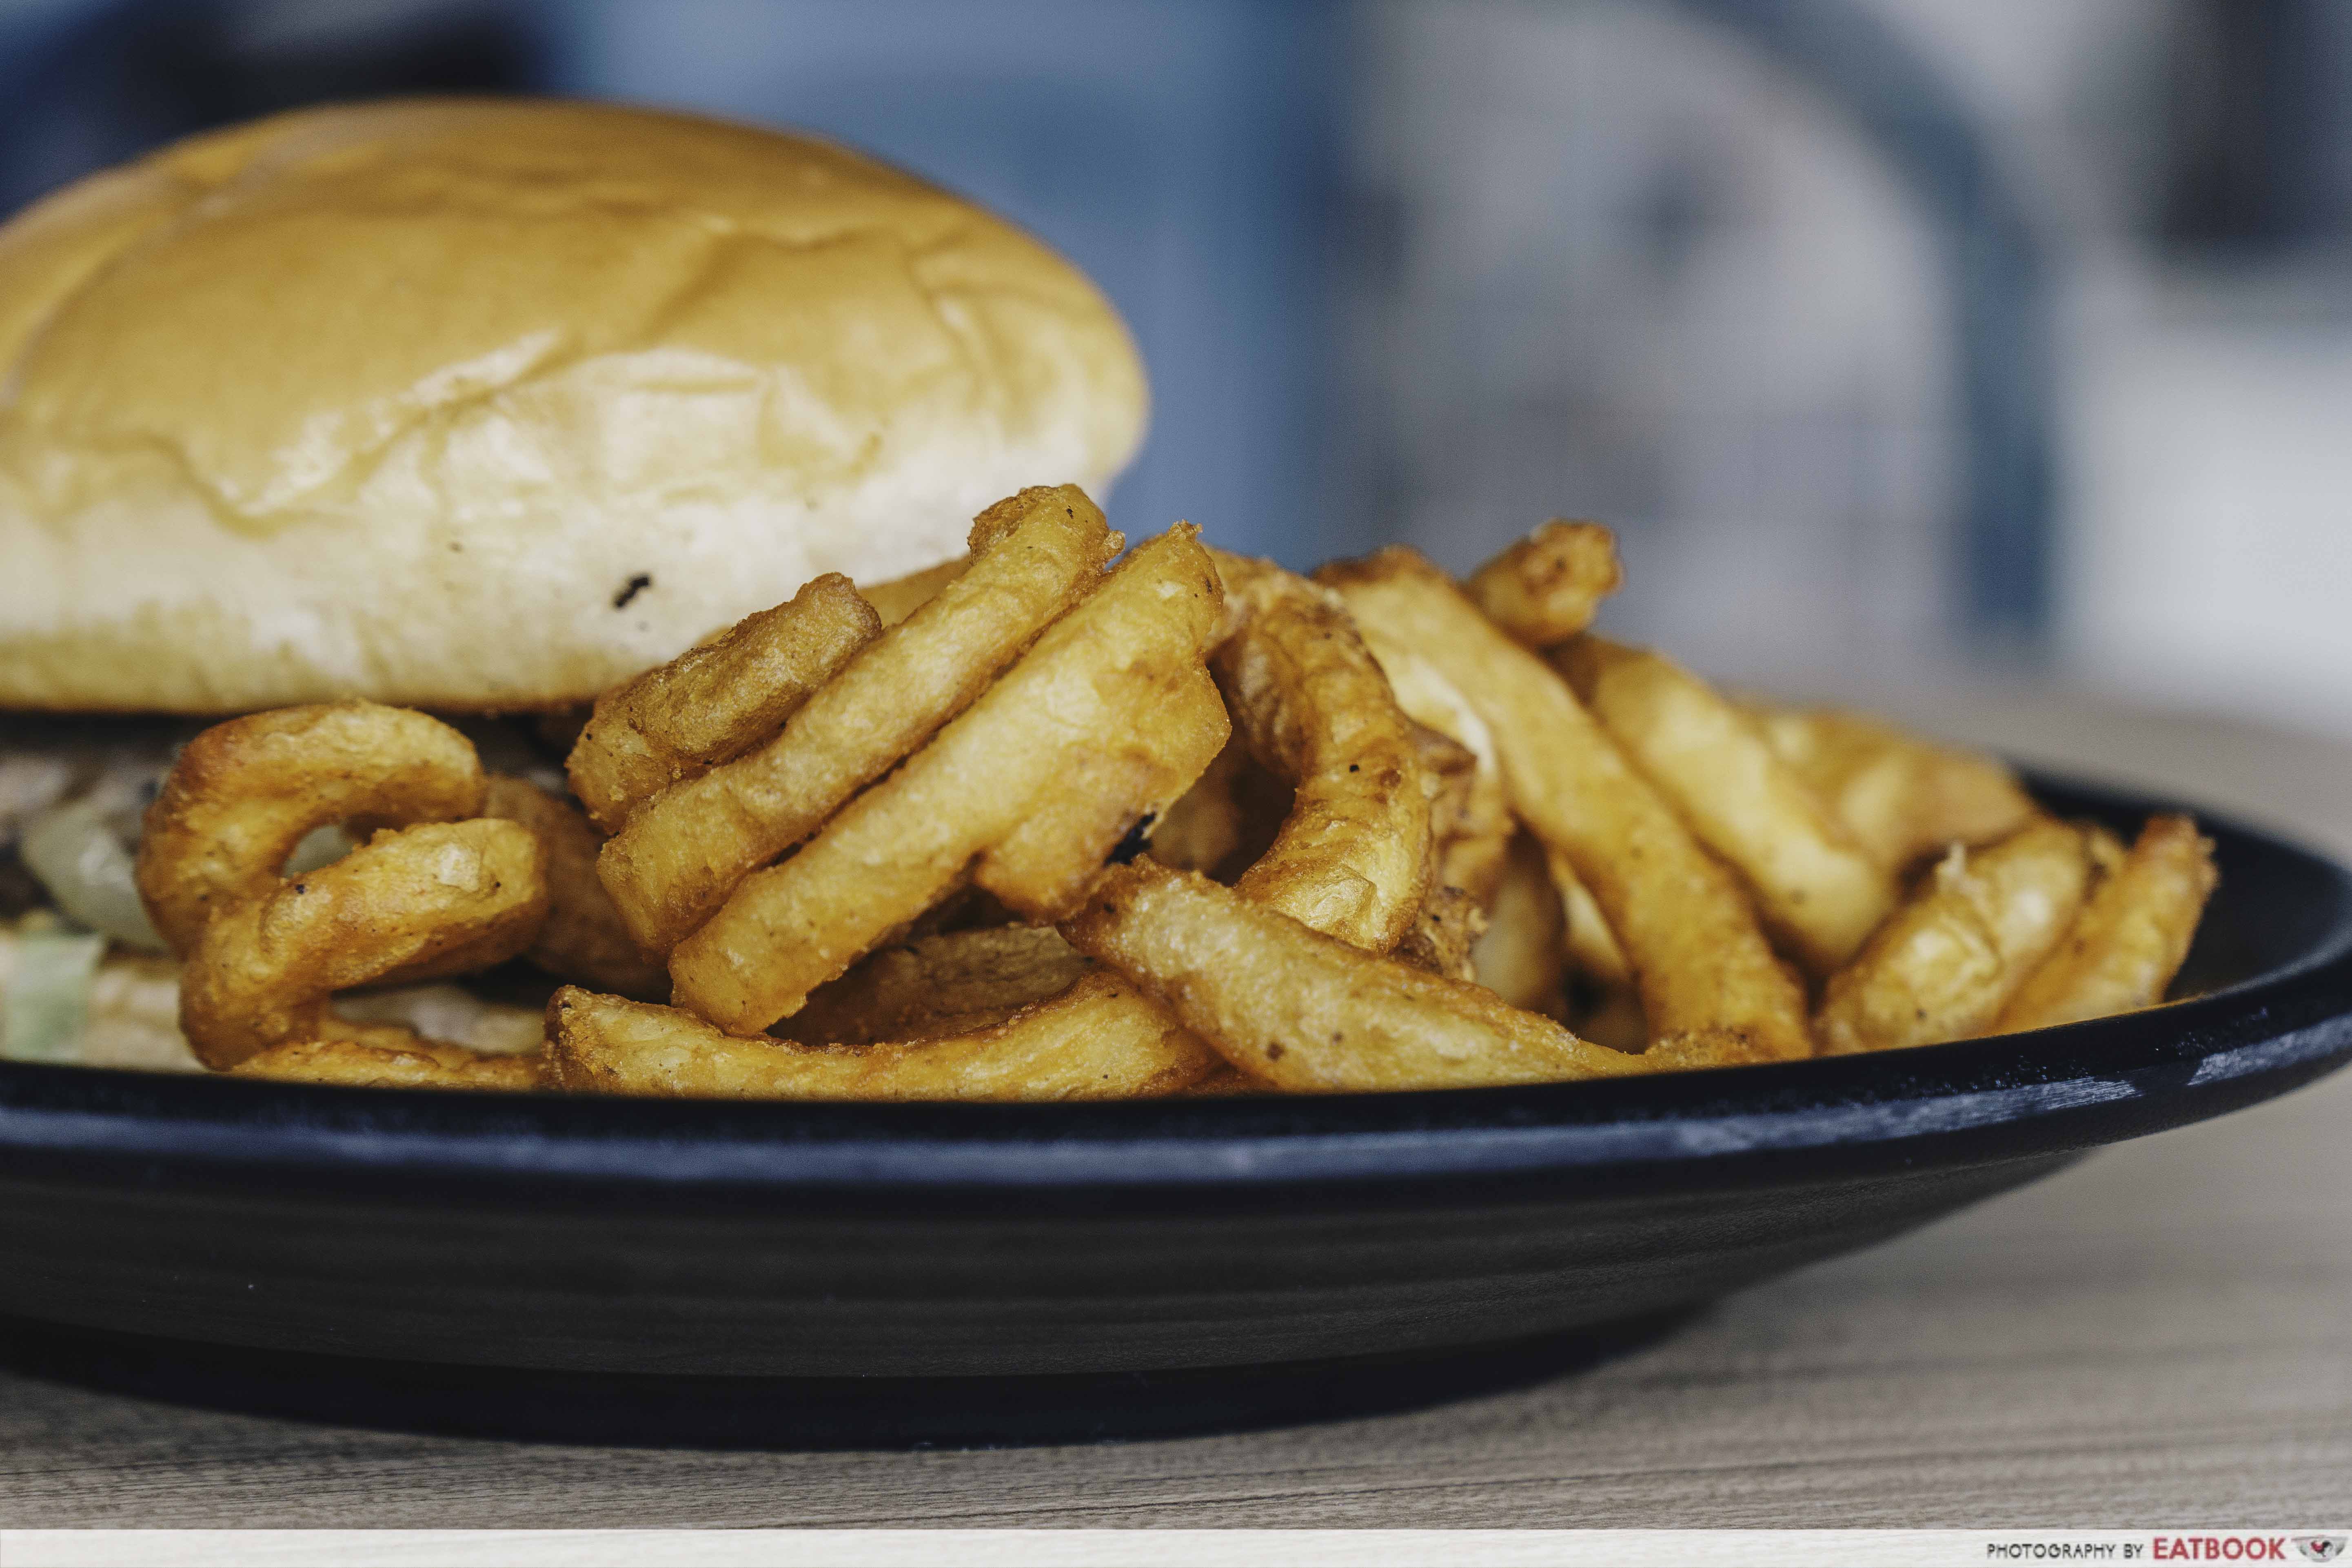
{"x": 472, "y": 406}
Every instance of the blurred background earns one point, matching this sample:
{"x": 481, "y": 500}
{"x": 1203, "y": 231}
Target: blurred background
{"x": 1905, "y": 342}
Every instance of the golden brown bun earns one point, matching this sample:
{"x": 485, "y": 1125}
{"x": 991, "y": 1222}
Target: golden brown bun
{"x": 398, "y": 400}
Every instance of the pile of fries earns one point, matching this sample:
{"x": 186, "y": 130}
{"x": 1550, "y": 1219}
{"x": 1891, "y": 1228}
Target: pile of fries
{"x": 1054, "y": 822}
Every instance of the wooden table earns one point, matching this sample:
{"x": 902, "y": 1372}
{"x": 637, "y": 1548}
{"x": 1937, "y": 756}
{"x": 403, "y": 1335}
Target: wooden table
{"x": 2160, "y": 1335}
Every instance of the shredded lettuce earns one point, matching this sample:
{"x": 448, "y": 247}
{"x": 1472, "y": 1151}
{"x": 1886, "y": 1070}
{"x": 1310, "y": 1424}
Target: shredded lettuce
{"x": 75, "y": 853}
{"x": 46, "y": 1005}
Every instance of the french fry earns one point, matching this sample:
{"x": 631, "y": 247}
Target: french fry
{"x": 1521, "y": 957}
{"x": 946, "y": 983}
{"x": 1446, "y": 934}
{"x": 715, "y": 701}
{"x": 1089, "y": 1043}
{"x": 1815, "y": 887}
{"x": 685, "y": 850}
{"x": 1544, "y": 589}
{"x": 1306, "y": 1012}
{"x": 899, "y": 598}
{"x": 2131, "y": 937}
{"x": 1692, "y": 943}
{"x": 1584, "y": 930}
{"x": 1902, "y": 798}
{"x": 1476, "y": 837}
{"x": 1117, "y": 681}
{"x": 1944, "y": 966}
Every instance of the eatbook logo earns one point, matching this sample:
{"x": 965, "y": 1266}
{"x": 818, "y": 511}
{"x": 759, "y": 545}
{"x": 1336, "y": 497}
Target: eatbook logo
{"x": 2320, "y": 1548}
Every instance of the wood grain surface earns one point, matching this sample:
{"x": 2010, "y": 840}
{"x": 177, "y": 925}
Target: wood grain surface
{"x": 2159, "y": 1335}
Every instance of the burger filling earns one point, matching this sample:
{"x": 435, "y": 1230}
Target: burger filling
{"x": 84, "y": 977}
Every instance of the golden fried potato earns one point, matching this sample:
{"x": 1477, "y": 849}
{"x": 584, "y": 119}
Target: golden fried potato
{"x": 1696, "y": 951}
{"x": 1088, "y": 1043}
{"x": 1815, "y": 887}
{"x": 1444, "y": 935}
{"x": 1545, "y": 588}
{"x": 263, "y": 969}
{"x": 1522, "y": 956}
{"x": 1115, "y": 692}
{"x": 243, "y": 794}
{"x": 1310, "y": 1012}
{"x": 584, "y": 939}
{"x": 899, "y": 598}
{"x": 1901, "y": 797}
{"x": 1107, "y": 796}
{"x": 1352, "y": 858}
{"x": 1944, "y": 966}
{"x": 1473, "y": 830}
{"x": 1206, "y": 826}
{"x": 685, "y": 849}
{"x": 2130, "y": 939}
{"x": 1613, "y": 1018}
{"x": 717, "y": 700}
{"x": 410, "y": 1064}
{"x": 947, "y": 983}
{"x": 1591, "y": 948}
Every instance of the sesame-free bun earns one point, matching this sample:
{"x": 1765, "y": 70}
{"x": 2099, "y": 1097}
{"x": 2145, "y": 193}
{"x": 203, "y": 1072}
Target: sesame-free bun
{"x": 484, "y": 405}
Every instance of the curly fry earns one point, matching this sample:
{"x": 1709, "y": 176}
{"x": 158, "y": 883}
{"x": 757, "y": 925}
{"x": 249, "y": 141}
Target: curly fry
{"x": 1353, "y": 858}
{"x": 262, "y": 971}
{"x": 244, "y": 794}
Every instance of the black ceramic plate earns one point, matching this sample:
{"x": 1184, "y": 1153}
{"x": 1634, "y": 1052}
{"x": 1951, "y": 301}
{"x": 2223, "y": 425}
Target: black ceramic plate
{"x": 861, "y": 1241}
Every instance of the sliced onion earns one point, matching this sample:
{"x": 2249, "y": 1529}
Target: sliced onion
{"x": 46, "y": 1005}
{"x": 78, "y": 856}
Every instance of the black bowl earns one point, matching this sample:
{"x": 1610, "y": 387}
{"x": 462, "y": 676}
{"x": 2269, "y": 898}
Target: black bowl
{"x": 832, "y": 1241}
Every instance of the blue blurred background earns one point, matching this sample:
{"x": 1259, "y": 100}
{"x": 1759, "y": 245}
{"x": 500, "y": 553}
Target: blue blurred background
{"x": 1904, "y": 342}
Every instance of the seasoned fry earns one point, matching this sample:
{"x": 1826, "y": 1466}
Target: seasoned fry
{"x": 410, "y": 1064}
{"x": 245, "y": 793}
{"x": 1815, "y": 887}
{"x": 1900, "y": 797}
{"x": 263, "y": 969}
{"x": 1946, "y": 963}
{"x": 1445, "y": 935}
{"x": 1308, "y": 1012}
{"x": 1613, "y": 1019}
{"x": 717, "y": 700}
{"x": 899, "y": 598}
{"x": 1089, "y": 1043}
{"x": 1522, "y": 955}
{"x": 1207, "y": 825}
{"x": 583, "y": 939}
{"x": 2131, "y": 937}
{"x": 948, "y": 984}
{"x": 1352, "y": 858}
{"x": 1694, "y": 945}
{"x": 685, "y": 850}
{"x": 1544, "y": 589}
{"x": 1473, "y": 831}
{"x": 1115, "y": 691}
{"x": 1592, "y": 951}
{"x": 1107, "y": 794}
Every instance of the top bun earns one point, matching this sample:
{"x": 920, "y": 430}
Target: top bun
{"x": 486, "y": 405}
